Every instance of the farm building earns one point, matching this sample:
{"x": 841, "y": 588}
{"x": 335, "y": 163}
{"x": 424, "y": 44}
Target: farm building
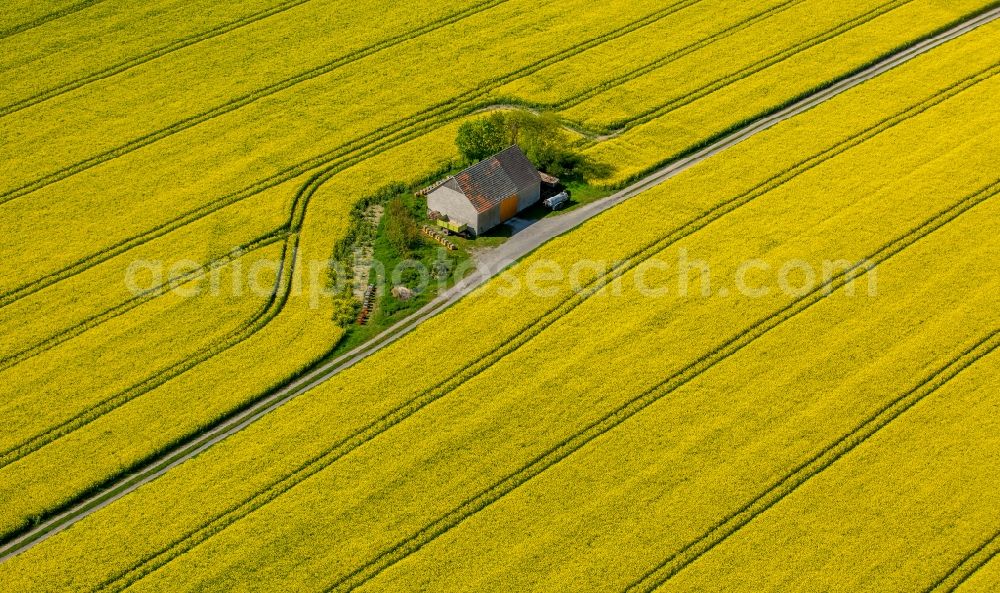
{"x": 488, "y": 193}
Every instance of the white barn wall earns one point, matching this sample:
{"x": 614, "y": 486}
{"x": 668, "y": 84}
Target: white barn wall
{"x": 454, "y": 205}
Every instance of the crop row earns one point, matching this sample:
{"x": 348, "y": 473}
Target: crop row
{"x": 892, "y": 515}
{"x": 298, "y": 208}
{"x": 237, "y": 336}
{"x": 238, "y": 102}
{"x": 535, "y": 307}
{"x": 227, "y": 381}
{"x": 138, "y": 239}
{"x": 441, "y": 113}
{"x": 251, "y": 326}
{"x": 68, "y": 9}
{"x": 701, "y": 43}
{"x": 561, "y": 309}
{"x": 758, "y": 59}
{"x": 161, "y": 378}
{"x": 719, "y": 113}
{"x": 570, "y": 445}
{"x": 147, "y": 56}
{"x": 35, "y": 417}
{"x": 689, "y": 462}
{"x": 891, "y": 249}
{"x": 145, "y": 296}
{"x": 969, "y": 565}
{"x": 44, "y": 314}
{"x": 819, "y": 462}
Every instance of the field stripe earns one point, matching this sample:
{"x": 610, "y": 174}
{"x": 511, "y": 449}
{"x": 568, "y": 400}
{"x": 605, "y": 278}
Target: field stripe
{"x": 254, "y": 324}
{"x": 674, "y": 55}
{"x": 447, "y": 111}
{"x": 439, "y": 114}
{"x": 148, "y": 56}
{"x": 567, "y": 447}
{"x": 93, "y": 321}
{"x": 6, "y": 363}
{"x": 271, "y": 309}
{"x": 815, "y": 465}
{"x": 239, "y": 102}
{"x": 772, "y": 60}
{"x": 763, "y": 15}
{"x": 48, "y": 18}
{"x": 523, "y": 336}
{"x": 970, "y": 564}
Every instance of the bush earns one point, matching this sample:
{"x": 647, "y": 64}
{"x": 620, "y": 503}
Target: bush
{"x": 401, "y": 227}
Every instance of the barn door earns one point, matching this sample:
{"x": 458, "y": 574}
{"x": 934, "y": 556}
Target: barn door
{"x": 508, "y": 208}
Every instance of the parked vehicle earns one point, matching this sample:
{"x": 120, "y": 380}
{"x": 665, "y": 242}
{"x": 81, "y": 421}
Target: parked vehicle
{"x": 453, "y": 228}
{"x": 558, "y": 201}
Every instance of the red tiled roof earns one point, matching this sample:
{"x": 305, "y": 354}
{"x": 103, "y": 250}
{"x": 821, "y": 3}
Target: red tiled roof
{"x": 501, "y": 176}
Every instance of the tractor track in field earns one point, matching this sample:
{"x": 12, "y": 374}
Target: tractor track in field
{"x": 41, "y": 346}
{"x": 74, "y": 8}
{"x": 760, "y": 65}
{"x": 969, "y": 565}
{"x": 526, "y": 334}
{"x": 443, "y": 113}
{"x": 127, "y": 305}
{"x": 593, "y": 135}
{"x": 369, "y": 144}
{"x": 676, "y": 55}
{"x": 517, "y": 247}
{"x": 565, "y": 448}
{"x": 275, "y": 304}
{"x": 815, "y": 465}
{"x": 134, "y": 61}
{"x": 238, "y": 103}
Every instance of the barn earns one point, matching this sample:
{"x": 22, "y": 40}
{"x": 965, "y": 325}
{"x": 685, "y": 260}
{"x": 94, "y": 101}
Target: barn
{"x": 488, "y": 193}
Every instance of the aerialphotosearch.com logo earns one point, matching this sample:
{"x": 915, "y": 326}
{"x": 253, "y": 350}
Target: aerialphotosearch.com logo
{"x": 678, "y": 275}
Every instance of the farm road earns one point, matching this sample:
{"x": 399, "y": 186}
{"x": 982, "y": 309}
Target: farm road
{"x": 490, "y": 263}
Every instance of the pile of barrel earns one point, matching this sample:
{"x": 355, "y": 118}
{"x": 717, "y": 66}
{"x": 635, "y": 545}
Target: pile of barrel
{"x": 439, "y": 237}
{"x": 367, "y": 305}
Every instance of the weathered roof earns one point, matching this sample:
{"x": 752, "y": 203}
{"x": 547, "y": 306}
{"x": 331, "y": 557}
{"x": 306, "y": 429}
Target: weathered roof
{"x": 548, "y": 179}
{"x": 501, "y": 176}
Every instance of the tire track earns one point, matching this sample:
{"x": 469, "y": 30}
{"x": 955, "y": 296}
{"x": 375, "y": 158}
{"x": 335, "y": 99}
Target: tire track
{"x": 245, "y": 331}
{"x": 970, "y": 564}
{"x": 48, "y": 18}
{"x": 635, "y": 73}
{"x": 148, "y": 56}
{"x": 93, "y": 321}
{"x": 672, "y": 56}
{"x": 157, "y": 463}
{"x": 237, "y": 103}
{"x": 524, "y": 335}
{"x": 815, "y": 465}
{"x": 772, "y": 60}
{"x": 753, "y": 19}
{"x": 567, "y": 447}
{"x": 441, "y": 113}
{"x": 274, "y": 305}
{"x": 624, "y": 124}
{"x": 440, "y": 110}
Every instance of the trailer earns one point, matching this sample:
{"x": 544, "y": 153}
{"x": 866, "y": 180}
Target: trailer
{"x": 557, "y": 201}
{"x": 453, "y": 228}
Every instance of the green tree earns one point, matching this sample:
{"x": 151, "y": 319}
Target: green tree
{"x": 480, "y": 138}
{"x": 542, "y": 138}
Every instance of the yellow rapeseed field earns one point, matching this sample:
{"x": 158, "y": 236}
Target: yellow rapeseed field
{"x": 155, "y": 151}
{"x": 600, "y": 439}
